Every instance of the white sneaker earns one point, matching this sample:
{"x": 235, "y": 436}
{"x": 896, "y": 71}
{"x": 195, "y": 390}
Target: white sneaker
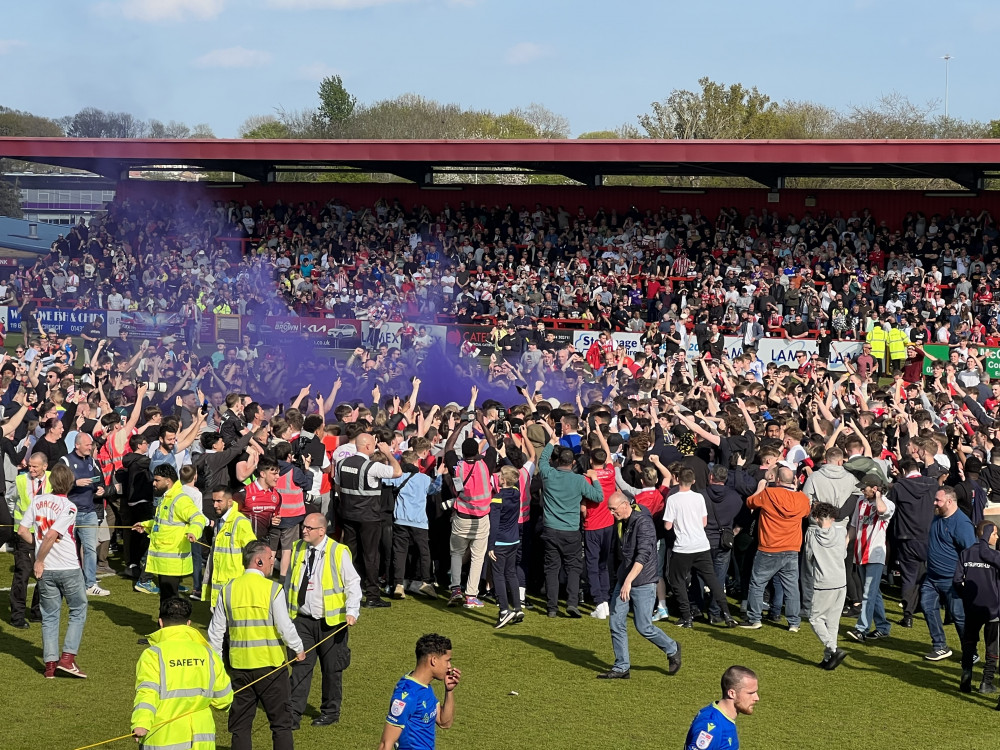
{"x": 96, "y": 590}
{"x": 601, "y": 611}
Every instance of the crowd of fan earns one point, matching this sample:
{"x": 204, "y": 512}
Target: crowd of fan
{"x": 763, "y": 447}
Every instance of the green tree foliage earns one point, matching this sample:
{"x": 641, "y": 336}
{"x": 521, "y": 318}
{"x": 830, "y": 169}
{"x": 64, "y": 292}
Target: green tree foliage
{"x": 336, "y": 104}
{"x": 17, "y": 124}
{"x": 716, "y": 111}
{"x": 264, "y": 126}
{"x": 10, "y": 201}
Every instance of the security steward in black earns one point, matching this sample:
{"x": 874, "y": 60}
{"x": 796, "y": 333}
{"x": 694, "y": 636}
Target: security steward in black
{"x": 359, "y": 487}
{"x": 977, "y": 577}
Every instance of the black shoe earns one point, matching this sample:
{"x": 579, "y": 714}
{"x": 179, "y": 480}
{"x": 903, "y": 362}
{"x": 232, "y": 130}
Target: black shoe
{"x": 504, "y": 619}
{"x": 838, "y": 656}
{"x": 717, "y": 620}
{"x": 773, "y": 617}
{"x": 965, "y": 686}
{"x": 372, "y": 603}
{"x": 856, "y": 635}
{"x": 674, "y": 661}
{"x": 825, "y": 664}
{"x": 518, "y": 617}
{"x": 573, "y": 612}
{"x": 906, "y": 622}
{"x": 987, "y": 688}
{"x": 730, "y": 622}
{"x": 876, "y": 635}
{"x": 22, "y": 625}
{"x": 854, "y": 610}
{"x": 685, "y": 623}
{"x": 614, "y": 674}
{"x": 35, "y": 618}
{"x": 325, "y": 720}
{"x": 142, "y": 642}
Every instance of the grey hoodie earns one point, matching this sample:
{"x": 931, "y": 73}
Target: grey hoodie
{"x": 834, "y": 485}
{"x": 826, "y": 552}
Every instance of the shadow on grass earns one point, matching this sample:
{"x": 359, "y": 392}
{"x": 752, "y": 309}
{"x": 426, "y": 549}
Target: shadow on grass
{"x": 24, "y": 651}
{"x": 140, "y": 622}
{"x": 578, "y": 657}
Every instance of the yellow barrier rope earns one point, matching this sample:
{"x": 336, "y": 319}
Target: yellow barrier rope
{"x": 91, "y": 526}
{"x": 249, "y": 684}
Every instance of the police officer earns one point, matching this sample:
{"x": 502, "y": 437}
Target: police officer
{"x": 252, "y": 608}
{"x": 177, "y": 524}
{"x": 359, "y": 484}
{"x": 324, "y": 594}
{"x": 178, "y": 675}
{"x": 232, "y": 533}
{"x": 27, "y": 485}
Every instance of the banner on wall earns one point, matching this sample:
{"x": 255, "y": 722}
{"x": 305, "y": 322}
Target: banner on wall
{"x": 478, "y": 336}
{"x": 778, "y": 351}
{"x": 389, "y": 334}
{"x": 989, "y": 356}
{"x": 632, "y": 342}
{"x": 63, "y": 322}
{"x": 841, "y": 351}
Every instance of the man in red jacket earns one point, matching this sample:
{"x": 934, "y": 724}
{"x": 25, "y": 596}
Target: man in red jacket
{"x": 259, "y": 501}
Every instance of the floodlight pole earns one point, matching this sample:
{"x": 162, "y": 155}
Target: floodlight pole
{"x": 947, "y": 59}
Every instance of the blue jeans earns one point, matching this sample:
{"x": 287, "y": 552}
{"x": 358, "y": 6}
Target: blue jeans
{"x": 872, "y": 606}
{"x": 88, "y": 544}
{"x": 197, "y": 558}
{"x": 642, "y": 600}
{"x": 932, "y": 592}
{"x": 53, "y": 587}
{"x": 720, "y": 561}
{"x": 784, "y": 566}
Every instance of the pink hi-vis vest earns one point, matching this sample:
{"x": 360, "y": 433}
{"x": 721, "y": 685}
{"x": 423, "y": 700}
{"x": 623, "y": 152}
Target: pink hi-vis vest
{"x": 524, "y": 482}
{"x": 477, "y": 490}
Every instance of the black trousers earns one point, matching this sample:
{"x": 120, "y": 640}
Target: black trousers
{"x": 681, "y": 565}
{"x": 976, "y": 620}
{"x": 24, "y": 561}
{"x": 169, "y": 586}
{"x": 504, "y": 570}
{"x": 563, "y": 552}
{"x": 334, "y": 657}
{"x": 272, "y": 693}
{"x": 911, "y": 554}
{"x": 403, "y": 538}
{"x": 364, "y": 539}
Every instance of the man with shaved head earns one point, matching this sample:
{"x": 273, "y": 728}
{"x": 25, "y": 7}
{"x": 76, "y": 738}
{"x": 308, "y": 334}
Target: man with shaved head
{"x": 87, "y": 495}
{"x": 359, "y": 485}
{"x": 782, "y": 508}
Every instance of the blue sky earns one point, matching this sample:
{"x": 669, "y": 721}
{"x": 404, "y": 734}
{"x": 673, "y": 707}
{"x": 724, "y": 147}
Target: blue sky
{"x": 598, "y": 64}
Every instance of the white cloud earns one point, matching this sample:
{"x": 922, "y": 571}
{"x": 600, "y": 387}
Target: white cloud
{"x": 523, "y": 53}
{"x": 9, "y": 45}
{"x": 329, "y": 4}
{"x": 169, "y": 10}
{"x": 316, "y": 71}
{"x": 233, "y": 57}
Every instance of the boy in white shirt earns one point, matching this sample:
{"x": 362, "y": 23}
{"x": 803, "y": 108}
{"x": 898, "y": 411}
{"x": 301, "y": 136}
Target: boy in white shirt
{"x": 57, "y": 568}
{"x": 686, "y": 514}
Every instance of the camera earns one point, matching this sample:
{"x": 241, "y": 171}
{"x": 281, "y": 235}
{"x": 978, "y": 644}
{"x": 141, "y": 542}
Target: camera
{"x": 501, "y": 426}
{"x": 155, "y": 387}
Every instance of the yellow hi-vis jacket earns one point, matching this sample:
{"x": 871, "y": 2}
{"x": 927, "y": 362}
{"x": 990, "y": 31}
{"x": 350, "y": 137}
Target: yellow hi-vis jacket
{"x": 179, "y": 674}
{"x": 226, "y": 560}
{"x": 23, "y": 483}
{"x": 169, "y": 548}
{"x": 877, "y": 337}
{"x": 254, "y": 640}
{"x": 897, "y": 344}
{"x": 332, "y": 578}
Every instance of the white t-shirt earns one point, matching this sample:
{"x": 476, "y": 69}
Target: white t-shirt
{"x": 48, "y": 512}
{"x": 687, "y": 512}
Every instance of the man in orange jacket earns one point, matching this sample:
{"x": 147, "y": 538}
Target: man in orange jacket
{"x": 782, "y": 508}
